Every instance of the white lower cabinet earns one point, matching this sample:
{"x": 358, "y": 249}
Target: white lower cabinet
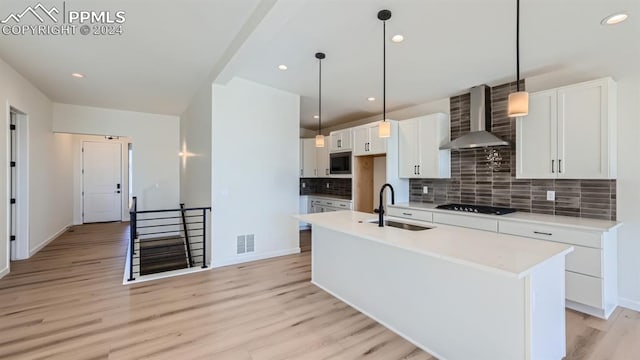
{"x": 325, "y": 204}
{"x": 591, "y": 269}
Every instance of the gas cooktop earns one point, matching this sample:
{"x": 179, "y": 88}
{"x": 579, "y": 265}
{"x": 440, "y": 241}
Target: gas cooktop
{"x": 478, "y": 209}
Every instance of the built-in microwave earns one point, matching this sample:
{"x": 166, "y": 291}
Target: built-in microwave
{"x": 340, "y": 163}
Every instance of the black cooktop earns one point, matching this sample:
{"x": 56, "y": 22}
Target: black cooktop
{"x": 479, "y": 209}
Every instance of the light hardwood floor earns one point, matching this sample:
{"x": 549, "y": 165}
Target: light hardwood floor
{"x": 68, "y": 302}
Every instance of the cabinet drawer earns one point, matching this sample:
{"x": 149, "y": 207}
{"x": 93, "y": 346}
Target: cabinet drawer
{"x": 552, "y": 233}
{"x": 411, "y": 214}
{"x": 585, "y": 260}
{"x": 466, "y": 221}
{"x": 583, "y": 289}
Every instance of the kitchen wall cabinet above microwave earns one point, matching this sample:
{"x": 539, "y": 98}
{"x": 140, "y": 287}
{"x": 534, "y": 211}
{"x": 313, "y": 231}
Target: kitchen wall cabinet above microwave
{"x": 367, "y": 142}
{"x": 315, "y": 162}
{"x": 341, "y": 140}
{"x": 570, "y": 133}
{"x": 419, "y": 147}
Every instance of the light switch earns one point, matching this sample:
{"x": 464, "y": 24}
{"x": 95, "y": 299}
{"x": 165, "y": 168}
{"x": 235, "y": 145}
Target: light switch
{"x": 425, "y": 189}
{"x": 551, "y": 195}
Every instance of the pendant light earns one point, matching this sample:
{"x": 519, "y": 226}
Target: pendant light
{"x": 384, "y": 129}
{"x": 320, "y": 137}
{"x": 519, "y": 100}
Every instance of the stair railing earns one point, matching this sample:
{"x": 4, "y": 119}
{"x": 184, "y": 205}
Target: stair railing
{"x": 148, "y": 226}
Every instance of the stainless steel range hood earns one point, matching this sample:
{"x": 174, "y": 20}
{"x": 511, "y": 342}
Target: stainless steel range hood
{"x": 480, "y": 135}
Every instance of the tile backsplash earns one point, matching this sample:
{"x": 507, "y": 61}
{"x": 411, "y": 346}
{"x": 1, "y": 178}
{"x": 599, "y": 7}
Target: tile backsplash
{"x": 336, "y": 186}
{"x": 487, "y": 176}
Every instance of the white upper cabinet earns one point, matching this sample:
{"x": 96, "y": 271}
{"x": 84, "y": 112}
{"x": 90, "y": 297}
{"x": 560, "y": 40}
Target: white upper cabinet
{"x": 308, "y": 157}
{"x": 569, "y": 133}
{"x": 419, "y": 147}
{"x": 322, "y": 161}
{"x": 341, "y": 140}
{"x": 367, "y": 142}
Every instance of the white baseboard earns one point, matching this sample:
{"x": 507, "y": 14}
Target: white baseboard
{"x": 255, "y": 257}
{"x": 629, "y": 304}
{"x": 50, "y": 239}
{"x": 4, "y": 272}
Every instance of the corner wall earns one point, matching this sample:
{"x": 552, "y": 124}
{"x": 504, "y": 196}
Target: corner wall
{"x": 50, "y": 165}
{"x": 156, "y": 176}
{"x": 255, "y": 157}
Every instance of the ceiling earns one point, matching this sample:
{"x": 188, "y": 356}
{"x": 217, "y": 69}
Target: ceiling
{"x": 166, "y": 52}
{"x": 169, "y": 49}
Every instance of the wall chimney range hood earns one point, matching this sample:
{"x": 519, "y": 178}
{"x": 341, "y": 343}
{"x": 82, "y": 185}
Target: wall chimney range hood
{"x": 480, "y": 135}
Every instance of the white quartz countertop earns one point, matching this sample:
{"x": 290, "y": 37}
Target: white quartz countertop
{"x": 506, "y": 254}
{"x": 553, "y": 220}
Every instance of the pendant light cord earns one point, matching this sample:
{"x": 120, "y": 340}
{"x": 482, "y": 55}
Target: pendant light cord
{"x": 518, "y": 45}
{"x": 384, "y": 71}
{"x": 320, "y": 98}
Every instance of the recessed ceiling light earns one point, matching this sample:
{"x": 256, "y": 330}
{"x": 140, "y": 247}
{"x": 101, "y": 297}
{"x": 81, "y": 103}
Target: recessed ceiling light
{"x": 282, "y": 67}
{"x": 371, "y": 99}
{"x": 316, "y": 117}
{"x": 613, "y": 19}
{"x": 77, "y": 75}
{"x": 397, "y": 38}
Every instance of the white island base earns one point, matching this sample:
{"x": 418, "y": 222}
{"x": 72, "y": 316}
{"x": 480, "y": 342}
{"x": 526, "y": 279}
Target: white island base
{"x": 453, "y": 310}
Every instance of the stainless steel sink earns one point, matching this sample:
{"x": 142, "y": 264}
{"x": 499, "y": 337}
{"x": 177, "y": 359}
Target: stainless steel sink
{"x": 400, "y": 225}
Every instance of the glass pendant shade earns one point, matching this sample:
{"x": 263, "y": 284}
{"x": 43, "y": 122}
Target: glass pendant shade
{"x": 319, "y": 141}
{"x": 518, "y": 104}
{"x": 384, "y": 129}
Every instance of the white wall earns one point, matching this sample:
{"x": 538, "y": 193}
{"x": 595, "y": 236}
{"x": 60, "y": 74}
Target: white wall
{"x": 156, "y": 176}
{"x": 77, "y": 141}
{"x": 400, "y": 114}
{"x": 50, "y": 184}
{"x": 255, "y": 170}
{"x": 628, "y": 182}
{"x": 195, "y": 144}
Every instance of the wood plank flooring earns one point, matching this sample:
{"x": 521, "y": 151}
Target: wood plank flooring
{"x": 68, "y": 302}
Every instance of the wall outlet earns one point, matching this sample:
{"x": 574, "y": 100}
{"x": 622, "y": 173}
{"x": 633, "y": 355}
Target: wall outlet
{"x": 327, "y": 185}
{"x": 425, "y": 189}
{"x": 304, "y": 185}
{"x": 551, "y": 196}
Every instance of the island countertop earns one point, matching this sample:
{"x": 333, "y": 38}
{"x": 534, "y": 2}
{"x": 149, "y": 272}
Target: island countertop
{"x": 506, "y": 254}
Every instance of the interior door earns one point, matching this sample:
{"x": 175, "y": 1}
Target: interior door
{"x": 13, "y": 223}
{"x": 102, "y": 184}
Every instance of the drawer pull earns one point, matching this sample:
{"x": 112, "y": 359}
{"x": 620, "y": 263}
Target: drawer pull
{"x": 329, "y": 203}
{"x": 408, "y": 214}
{"x": 343, "y": 205}
{"x": 542, "y": 233}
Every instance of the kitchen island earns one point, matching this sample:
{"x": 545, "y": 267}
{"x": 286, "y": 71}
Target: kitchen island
{"x": 456, "y": 293}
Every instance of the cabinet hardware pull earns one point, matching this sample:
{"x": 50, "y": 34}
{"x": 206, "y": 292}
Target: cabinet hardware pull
{"x": 560, "y": 166}
{"x": 408, "y": 214}
{"x": 300, "y": 172}
{"x": 315, "y": 171}
{"x": 553, "y": 166}
{"x": 415, "y": 169}
{"x": 418, "y": 169}
{"x": 542, "y": 233}
{"x": 326, "y": 171}
{"x": 329, "y": 203}
{"x": 343, "y": 205}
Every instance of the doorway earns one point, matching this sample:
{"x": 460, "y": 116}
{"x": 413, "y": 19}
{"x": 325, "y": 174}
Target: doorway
{"x": 101, "y": 181}
{"x": 18, "y": 185}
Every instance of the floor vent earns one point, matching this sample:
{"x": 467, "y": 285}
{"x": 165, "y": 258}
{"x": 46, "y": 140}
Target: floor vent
{"x": 245, "y": 244}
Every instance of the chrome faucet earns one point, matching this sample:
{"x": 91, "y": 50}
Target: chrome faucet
{"x": 381, "y": 208}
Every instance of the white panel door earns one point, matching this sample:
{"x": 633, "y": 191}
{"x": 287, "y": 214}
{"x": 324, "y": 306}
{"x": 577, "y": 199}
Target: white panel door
{"x": 408, "y": 148}
{"x": 582, "y": 131}
{"x": 536, "y": 138}
{"x": 101, "y": 163}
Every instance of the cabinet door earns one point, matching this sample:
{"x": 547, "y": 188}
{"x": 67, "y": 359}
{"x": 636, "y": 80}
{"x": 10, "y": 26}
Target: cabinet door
{"x": 346, "y": 141}
{"x": 583, "y": 139}
{"x": 377, "y": 145}
{"x": 361, "y": 141}
{"x": 536, "y": 138}
{"x": 433, "y": 163}
{"x": 309, "y": 158}
{"x": 322, "y": 161}
{"x": 408, "y": 148}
